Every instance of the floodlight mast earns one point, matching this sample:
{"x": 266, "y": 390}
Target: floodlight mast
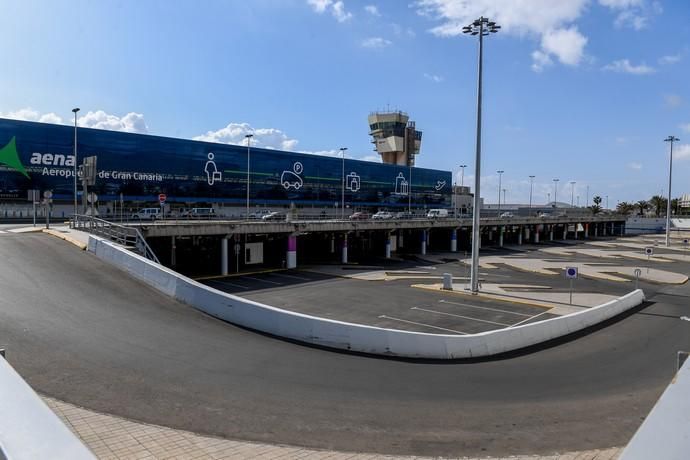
{"x": 670, "y": 139}
{"x": 481, "y": 27}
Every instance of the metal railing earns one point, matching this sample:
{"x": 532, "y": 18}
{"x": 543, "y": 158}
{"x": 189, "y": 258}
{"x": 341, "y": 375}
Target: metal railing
{"x": 121, "y": 234}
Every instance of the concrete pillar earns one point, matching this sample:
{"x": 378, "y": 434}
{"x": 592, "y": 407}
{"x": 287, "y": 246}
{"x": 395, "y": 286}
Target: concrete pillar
{"x": 388, "y": 246}
{"x": 565, "y": 232}
{"x": 292, "y": 252}
{"x": 333, "y": 244}
{"x": 400, "y": 238}
{"x": 173, "y": 252}
{"x": 491, "y": 236}
{"x": 223, "y": 256}
{"x": 527, "y": 232}
{"x": 344, "y": 249}
{"x": 500, "y": 236}
{"x": 536, "y": 236}
{"x": 454, "y": 240}
{"x": 586, "y": 230}
{"x": 551, "y": 233}
{"x": 424, "y": 236}
{"x": 519, "y": 235}
{"x": 613, "y": 229}
{"x": 596, "y": 230}
{"x": 603, "y": 229}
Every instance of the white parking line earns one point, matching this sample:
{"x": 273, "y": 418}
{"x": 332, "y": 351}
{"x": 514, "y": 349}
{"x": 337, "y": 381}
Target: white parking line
{"x": 3, "y": 231}
{"x": 292, "y": 276}
{"x": 525, "y": 320}
{"x": 484, "y": 308}
{"x": 262, "y": 280}
{"x": 422, "y": 324}
{"x": 230, "y": 284}
{"x": 460, "y": 316}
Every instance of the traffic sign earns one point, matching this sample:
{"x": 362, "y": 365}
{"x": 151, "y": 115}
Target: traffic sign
{"x": 571, "y": 272}
{"x": 91, "y": 197}
{"x": 47, "y": 194}
{"x": 162, "y": 197}
{"x": 649, "y": 251}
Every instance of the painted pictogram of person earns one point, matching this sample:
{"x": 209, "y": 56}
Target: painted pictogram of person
{"x": 211, "y": 170}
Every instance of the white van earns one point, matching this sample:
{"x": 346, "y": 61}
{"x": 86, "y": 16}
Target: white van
{"x": 436, "y": 213}
{"x": 147, "y": 214}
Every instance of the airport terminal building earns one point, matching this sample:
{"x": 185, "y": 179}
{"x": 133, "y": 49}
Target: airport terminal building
{"x": 136, "y": 168}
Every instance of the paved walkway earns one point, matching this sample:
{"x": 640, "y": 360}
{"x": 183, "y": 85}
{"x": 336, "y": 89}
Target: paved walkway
{"x": 111, "y": 437}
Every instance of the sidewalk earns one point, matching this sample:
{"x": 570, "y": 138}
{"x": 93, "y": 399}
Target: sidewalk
{"x": 111, "y": 437}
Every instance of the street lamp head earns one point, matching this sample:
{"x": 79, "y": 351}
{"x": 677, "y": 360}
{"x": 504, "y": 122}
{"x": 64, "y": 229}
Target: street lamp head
{"x": 75, "y": 110}
{"x": 248, "y": 135}
{"x": 342, "y": 149}
{"x": 500, "y": 172}
{"x": 671, "y": 139}
{"x": 482, "y": 25}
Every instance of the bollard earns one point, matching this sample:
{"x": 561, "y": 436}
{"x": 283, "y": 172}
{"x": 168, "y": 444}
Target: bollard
{"x": 447, "y": 282}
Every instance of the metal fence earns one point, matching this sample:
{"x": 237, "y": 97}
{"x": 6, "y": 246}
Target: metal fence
{"x": 121, "y": 234}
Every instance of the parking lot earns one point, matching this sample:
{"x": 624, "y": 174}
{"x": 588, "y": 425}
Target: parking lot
{"x": 390, "y": 304}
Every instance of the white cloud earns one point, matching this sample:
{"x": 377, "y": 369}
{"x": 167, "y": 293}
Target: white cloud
{"x": 685, "y": 127}
{"x": 549, "y": 21}
{"x": 376, "y": 42}
{"x": 634, "y": 165}
{"x": 434, "y": 78}
{"x": 374, "y": 158}
{"x": 131, "y": 123}
{"x": 337, "y": 9}
{"x": 633, "y": 13}
{"x": 372, "y": 10}
{"x": 234, "y": 133}
{"x": 566, "y": 44}
{"x": 671, "y": 59}
{"x": 672, "y": 100}
{"x": 624, "y": 66}
{"x": 319, "y": 5}
{"x": 681, "y": 152}
{"x": 29, "y": 114}
{"x": 339, "y": 12}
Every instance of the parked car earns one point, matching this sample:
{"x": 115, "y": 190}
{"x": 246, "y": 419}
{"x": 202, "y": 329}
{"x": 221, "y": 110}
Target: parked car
{"x": 274, "y": 215}
{"x": 259, "y": 214}
{"x": 199, "y": 213}
{"x": 404, "y": 215}
{"x": 359, "y": 215}
{"x": 147, "y": 214}
{"x": 506, "y": 215}
{"x": 544, "y": 214}
{"x": 382, "y": 215}
{"x": 436, "y": 213}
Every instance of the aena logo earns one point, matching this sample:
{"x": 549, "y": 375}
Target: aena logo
{"x": 10, "y": 157}
{"x": 51, "y": 159}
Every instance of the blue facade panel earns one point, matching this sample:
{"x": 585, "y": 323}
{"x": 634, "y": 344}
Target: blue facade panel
{"x": 142, "y": 166}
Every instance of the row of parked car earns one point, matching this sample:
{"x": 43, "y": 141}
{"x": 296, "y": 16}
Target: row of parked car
{"x": 156, "y": 213}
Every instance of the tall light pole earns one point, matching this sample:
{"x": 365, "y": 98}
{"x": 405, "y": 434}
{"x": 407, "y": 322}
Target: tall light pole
{"x": 531, "y": 187}
{"x": 500, "y": 174}
{"x": 572, "y": 193}
{"x": 481, "y": 27}
{"x": 75, "y": 110}
{"x": 504, "y": 197}
{"x": 607, "y": 202}
{"x": 587, "y": 198}
{"x": 555, "y": 193}
{"x": 462, "y": 175}
{"x": 249, "y": 141}
{"x": 670, "y": 139}
{"x": 342, "y": 196}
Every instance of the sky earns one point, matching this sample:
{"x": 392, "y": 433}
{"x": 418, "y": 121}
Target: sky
{"x": 584, "y": 91}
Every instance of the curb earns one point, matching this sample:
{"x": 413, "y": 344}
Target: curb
{"x": 62, "y": 236}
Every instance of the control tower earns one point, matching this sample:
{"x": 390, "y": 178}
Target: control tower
{"x": 394, "y": 137}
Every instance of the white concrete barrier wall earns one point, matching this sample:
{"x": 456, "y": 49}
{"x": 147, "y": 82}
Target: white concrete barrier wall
{"x": 28, "y": 428}
{"x": 348, "y": 336}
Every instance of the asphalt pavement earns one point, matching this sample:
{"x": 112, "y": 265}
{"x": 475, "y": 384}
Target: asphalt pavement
{"x": 84, "y": 332}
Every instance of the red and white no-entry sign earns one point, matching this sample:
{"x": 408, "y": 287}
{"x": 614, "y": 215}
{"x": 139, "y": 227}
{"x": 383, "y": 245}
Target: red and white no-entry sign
{"x": 162, "y": 197}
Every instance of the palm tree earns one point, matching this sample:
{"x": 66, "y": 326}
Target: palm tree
{"x": 643, "y": 205}
{"x": 658, "y": 202}
{"x": 596, "y": 207}
{"x": 625, "y": 208}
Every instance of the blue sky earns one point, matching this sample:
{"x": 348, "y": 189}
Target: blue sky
{"x": 580, "y": 90}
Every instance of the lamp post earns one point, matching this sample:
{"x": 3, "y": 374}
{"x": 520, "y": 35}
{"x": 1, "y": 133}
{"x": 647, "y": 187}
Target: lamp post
{"x": 500, "y": 174}
{"x": 249, "y": 141}
{"x": 462, "y": 184}
{"x": 670, "y": 139}
{"x": 504, "y": 197}
{"x": 481, "y": 27}
{"x": 342, "y": 193}
{"x": 572, "y": 193}
{"x": 607, "y": 202}
{"x": 587, "y": 197}
{"x": 555, "y": 193}
{"x": 531, "y": 187}
{"x": 75, "y": 110}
